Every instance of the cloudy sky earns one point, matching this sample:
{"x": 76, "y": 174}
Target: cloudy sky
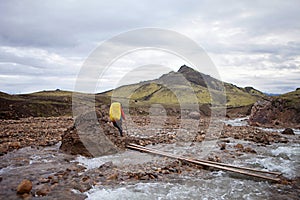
{"x": 43, "y": 44}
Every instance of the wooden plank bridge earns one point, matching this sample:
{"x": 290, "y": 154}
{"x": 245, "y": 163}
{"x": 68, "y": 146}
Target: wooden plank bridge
{"x": 262, "y": 174}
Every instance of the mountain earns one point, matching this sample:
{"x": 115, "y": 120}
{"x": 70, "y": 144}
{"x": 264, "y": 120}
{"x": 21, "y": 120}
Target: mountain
{"x": 164, "y": 90}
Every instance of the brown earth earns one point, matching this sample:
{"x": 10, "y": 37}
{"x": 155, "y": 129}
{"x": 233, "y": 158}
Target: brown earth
{"x": 40, "y": 131}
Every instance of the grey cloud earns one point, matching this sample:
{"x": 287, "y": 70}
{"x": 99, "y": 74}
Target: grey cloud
{"x": 74, "y": 28}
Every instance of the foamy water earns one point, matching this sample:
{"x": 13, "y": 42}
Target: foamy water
{"x": 243, "y": 121}
{"x": 282, "y": 158}
{"x": 120, "y": 159}
{"x": 213, "y": 186}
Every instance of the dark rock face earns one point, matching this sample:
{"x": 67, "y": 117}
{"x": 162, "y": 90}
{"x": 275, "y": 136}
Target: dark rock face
{"x": 90, "y": 136}
{"x": 273, "y": 111}
{"x": 93, "y": 135}
{"x": 288, "y": 131}
{"x": 199, "y": 78}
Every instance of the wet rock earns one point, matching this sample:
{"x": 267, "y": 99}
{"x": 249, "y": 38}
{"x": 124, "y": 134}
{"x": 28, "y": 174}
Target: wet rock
{"x": 113, "y": 177}
{"x": 54, "y": 181}
{"x": 223, "y": 146}
{"x": 106, "y": 165}
{"x": 288, "y": 131}
{"x": 26, "y": 196}
{"x": 214, "y": 158}
{"x": 42, "y": 190}
{"x": 194, "y": 115}
{"x": 44, "y": 180}
{"x": 249, "y": 150}
{"x": 274, "y": 111}
{"x": 239, "y": 146}
{"x": 24, "y": 187}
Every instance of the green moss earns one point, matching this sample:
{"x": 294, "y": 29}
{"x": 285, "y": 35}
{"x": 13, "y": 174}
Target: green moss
{"x": 292, "y": 99}
{"x": 150, "y": 93}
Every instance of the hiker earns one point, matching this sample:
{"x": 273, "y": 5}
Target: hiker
{"x": 116, "y": 115}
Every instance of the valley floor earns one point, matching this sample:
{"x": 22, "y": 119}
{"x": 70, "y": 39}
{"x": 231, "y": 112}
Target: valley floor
{"x": 30, "y": 150}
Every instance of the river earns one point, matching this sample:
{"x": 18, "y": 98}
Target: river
{"x": 284, "y": 158}
{"x": 37, "y": 162}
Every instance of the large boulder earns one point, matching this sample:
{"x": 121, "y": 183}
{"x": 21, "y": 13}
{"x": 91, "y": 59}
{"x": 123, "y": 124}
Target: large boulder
{"x": 92, "y": 135}
{"x": 274, "y": 111}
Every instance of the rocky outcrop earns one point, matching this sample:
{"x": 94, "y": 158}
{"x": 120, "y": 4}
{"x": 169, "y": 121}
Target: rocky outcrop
{"x": 90, "y": 136}
{"x": 93, "y": 135}
{"x": 274, "y": 111}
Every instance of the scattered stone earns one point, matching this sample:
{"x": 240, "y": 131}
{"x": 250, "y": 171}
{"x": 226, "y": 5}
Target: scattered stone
{"x": 113, "y": 177}
{"x": 24, "y": 187}
{"x": 288, "y": 131}
{"x": 106, "y": 165}
{"x": 214, "y": 158}
{"x": 222, "y": 146}
{"x": 194, "y": 115}
{"x": 42, "y": 190}
{"x": 44, "y": 180}
{"x": 26, "y": 196}
{"x": 239, "y": 146}
{"x": 249, "y": 150}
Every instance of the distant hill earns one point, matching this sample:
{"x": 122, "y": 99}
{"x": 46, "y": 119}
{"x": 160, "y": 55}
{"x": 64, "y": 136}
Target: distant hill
{"x": 157, "y": 91}
{"x": 40, "y": 104}
{"x": 141, "y": 95}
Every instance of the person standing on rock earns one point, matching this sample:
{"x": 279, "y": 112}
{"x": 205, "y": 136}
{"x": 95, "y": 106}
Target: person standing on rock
{"x": 116, "y": 115}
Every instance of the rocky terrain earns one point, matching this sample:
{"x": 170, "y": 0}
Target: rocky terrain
{"x": 32, "y": 131}
{"x": 42, "y": 148}
{"x": 277, "y": 111}
{"x": 48, "y": 148}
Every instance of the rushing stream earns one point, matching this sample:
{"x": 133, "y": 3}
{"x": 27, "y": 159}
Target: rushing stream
{"x": 284, "y": 158}
{"x": 279, "y": 157}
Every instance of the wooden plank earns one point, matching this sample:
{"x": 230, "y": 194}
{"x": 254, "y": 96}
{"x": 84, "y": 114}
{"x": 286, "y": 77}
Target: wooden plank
{"x": 226, "y": 168}
{"x": 238, "y": 167}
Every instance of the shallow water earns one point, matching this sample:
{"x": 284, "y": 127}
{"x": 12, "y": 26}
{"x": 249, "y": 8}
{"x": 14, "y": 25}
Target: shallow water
{"x": 243, "y": 121}
{"x": 285, "y": 158}
{"x": 282, "y": 158}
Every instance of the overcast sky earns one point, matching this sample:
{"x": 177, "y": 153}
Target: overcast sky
{"x": 43, "y": 44}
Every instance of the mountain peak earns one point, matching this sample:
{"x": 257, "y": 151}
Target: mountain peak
{"x": 184, "y": 69}
{"x": 193, "y": 76}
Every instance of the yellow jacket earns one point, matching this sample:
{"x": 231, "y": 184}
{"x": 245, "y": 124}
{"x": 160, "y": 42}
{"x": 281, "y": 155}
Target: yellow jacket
{"x": 115, "y": 112}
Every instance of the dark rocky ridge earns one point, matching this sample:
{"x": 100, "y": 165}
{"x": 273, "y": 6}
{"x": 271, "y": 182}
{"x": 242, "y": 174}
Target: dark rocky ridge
{"x": 272, "y": 112}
